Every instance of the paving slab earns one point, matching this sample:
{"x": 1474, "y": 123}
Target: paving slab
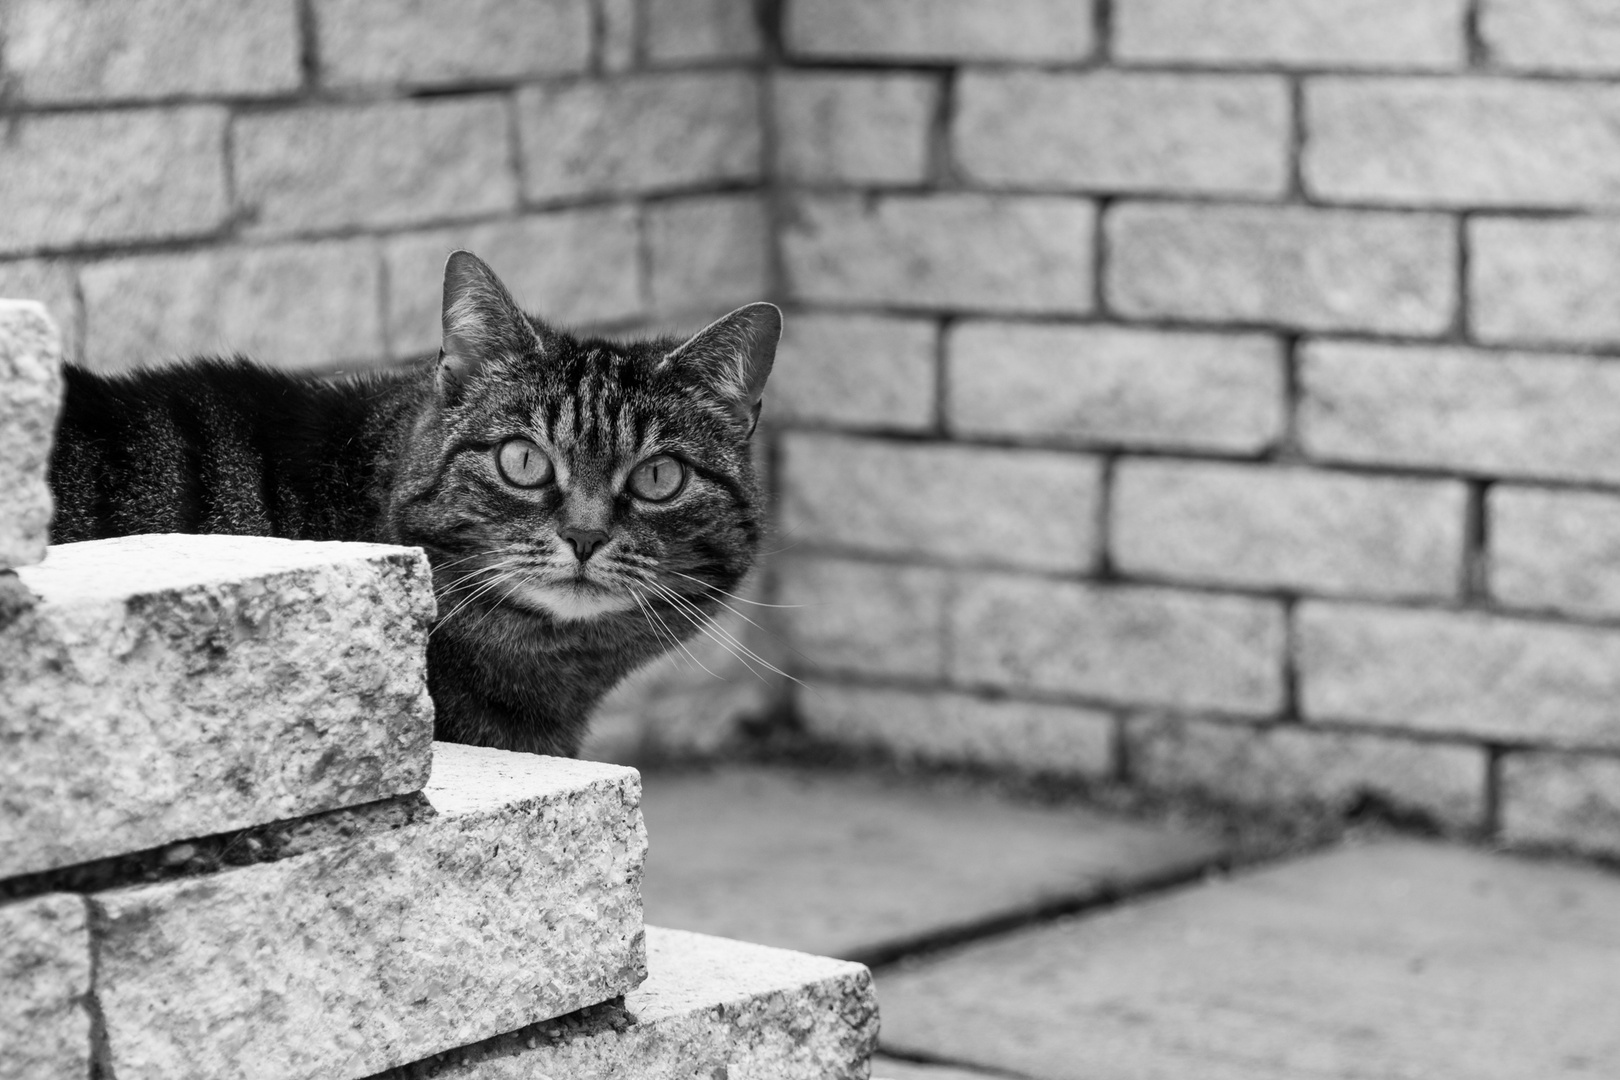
{"x": 30, "y": 396}
{"x": 858, "y": 866}
{"x": 44, "y": 977}
{"x": 1401, "y": 960}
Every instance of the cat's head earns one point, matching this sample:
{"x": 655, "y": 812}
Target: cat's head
{"x": 579, "y": 477}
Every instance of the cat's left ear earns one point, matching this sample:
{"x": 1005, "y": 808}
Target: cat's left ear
{"x": 733, "y": 356}
{"x": 481, "y": 322}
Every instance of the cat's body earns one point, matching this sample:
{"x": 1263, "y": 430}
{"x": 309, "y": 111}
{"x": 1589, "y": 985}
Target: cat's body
{"x": 584, "y": 504}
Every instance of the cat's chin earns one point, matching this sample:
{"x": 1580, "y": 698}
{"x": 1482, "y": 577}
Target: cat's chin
{"x": 570, "y": 602}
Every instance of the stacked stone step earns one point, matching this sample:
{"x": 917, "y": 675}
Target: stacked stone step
{"x": 230, "y": 848}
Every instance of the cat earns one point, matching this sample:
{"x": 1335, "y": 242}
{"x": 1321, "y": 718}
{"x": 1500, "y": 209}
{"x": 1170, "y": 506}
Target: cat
{"x": 584, "y": 504}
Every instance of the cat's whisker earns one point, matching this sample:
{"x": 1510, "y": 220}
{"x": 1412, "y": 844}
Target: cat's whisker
{"x": 767, "y": 632}
{"x": 725, "y": 639}
{"x": 676, "y": 639}
{"x": 477, "y": 555}
{"x": 734, "y": 596}
{"x": 504, "y": 572}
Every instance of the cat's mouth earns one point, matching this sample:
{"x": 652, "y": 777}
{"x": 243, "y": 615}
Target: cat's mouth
{"x": 570, "y": 599}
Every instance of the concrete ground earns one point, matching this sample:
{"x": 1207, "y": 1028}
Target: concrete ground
{"x": 1010, "y": 940}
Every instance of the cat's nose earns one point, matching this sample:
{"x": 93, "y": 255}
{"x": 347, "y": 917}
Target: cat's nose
{"x": 583, "y": 541}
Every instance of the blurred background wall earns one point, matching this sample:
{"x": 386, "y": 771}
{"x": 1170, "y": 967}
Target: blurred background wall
{"x": 1201, "y": 394}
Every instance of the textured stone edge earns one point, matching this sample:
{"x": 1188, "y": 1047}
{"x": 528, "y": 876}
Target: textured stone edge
{"x": 30, "y": 398}
{"x": 45, "y": 1029}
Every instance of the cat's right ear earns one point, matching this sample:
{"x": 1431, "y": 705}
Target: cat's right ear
{"x": 481, "y": 322}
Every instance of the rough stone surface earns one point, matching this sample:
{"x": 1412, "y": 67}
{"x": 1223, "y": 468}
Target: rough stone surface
{"x": 44, "y": 977}
{"x": 1288, "y": 528}
{"x": 639, "y": 133}
{"x": 863, "y": 371}
{"x": 1397, "y": 960}
{"x": 1563, "y": 801}
{"x": 449, "y": 41}
{"x": 1544, "y": 280}
{"x": 81, "y": 50}
{"x": 1108, "y": 131}
{"x": 1462, "y": 410}
{"x": 1551, "y": 35}
{"x": 1104, "y": 385}
{"x": 681, "y": 30}
{"x": 30, "y": 397}
{"x": 955, "y": 251}
{"x": 1124, "y": 644}
{"x": 865, "y": 617}
{"x": 707, "y": 252}
{"x": 954, "y": 728}
{"x": 1466, "y": 142}
{"x": 54, "y": 283}
{"x": 164, "y": 687}
{"x": 1424, "y": 34}
{"x": 1292, "y": 266}
{"x": 1284, "y": 764}
{"x": 515, "y": 899}
{"x": 1557, "y": 550}
{"x": 75, "y": 179}
{"x": 1459, "y": 673}
{"x": 1029, "y": 508}
{"x": 849, "y": 865}
{"x": 853, "y": 128}
{"x": 941, "y": 29}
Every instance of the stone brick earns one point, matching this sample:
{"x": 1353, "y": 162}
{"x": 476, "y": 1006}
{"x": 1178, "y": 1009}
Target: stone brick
{"x": 392, "y": 163}
{"x": 620, "y": 34}
{"x": 1561, "y": 800}
{"x": 707, "y": 252}
{"x": 1027, "y": 30}
{"x": 290, "y": 305}
{"x": 1459, "y": 673}
{"x": 1462, "y": 143}
{"x": 853, "y": 127}
{"x": 30, "y": 398}
{"x": 1461, "y": 410}
{"x": 514, "y": 896}
{"x": 1557, "y": 550}
{"x": 1544, "y": 280}
{"x": 1124, "y": 131}
{"x": 1115, "y": 386}
{"x": 953, "y": 251}
{"x": 681, "y": 30}
{"x": 639, "y": 133}
{"x": 854, "y": 370}
{"x": 1282, "y": 764}
{"x": 81, "y": 50}
{"x": 1264, "y": 526}
{"x": 874, "y": 618}
{"x": 1028, "y": 508}
{"x": 1423, "y": 34}
{"x": 44, "y": 981}
{"x": 1295, "y": 266}
{"x": 82, "y": 179}
{"x": 954, "y": 728}
{"x": 54, "y": 283}
{"x": 449, "y": 41}
{"x": 1124, "y": 644}
{"x": 132, "y": 669}
{"x": 568, "y": 267}
{"x": 1551, "y": 35}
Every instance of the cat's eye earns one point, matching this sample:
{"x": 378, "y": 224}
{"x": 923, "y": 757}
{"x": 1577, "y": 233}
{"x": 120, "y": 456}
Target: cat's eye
{"x": 522, "y": 464}
{"x": 657, "y": 479}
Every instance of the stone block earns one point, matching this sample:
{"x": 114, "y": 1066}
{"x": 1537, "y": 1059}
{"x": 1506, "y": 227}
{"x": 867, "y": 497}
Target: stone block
{"x": 1028, "y": 508}
{"x": 301, "y": 305}
{"x": 1554, "y": 550}
{"x": 1418, "y": 34}
{"x": 1127, "y": 645}
{"x": 30, "y": 398}
{"x": 1547, "y": 280}
{"x": 1107, "y": 385}
{"x": 1462, "y": 142}
{"x": 1575, "y": 36}
{"x": 682, "y": 30}
{"x": 374, "y": 165}
{"x": 865, "y": 617}
{"x": 83, "y": 51}
{"x": 1027, "y": 254}
{"x": 75, "y": 179}
{"x": 1461, "y": 410}
{"x": 377, "y": 42}
{"x": 941, "y": 30}
{"x": 619, "y": 40}
{"x": 1270, "y": 527}
{"x": 54, "y": 283}
{"x": 639, "y": 133}
{"x": 1561, "y": 801}
{"x": 568, "y": 267}
{"x": 836, "y": 127}
{"x": 164, "y": 687}
{"x": 939, "y": 726}
{"x": 707, "y": 252}
{"x": 1459, "y": 673}
{"x": 1293, "y": 266}
{"x": 1278, "y": 765}
{"x": 512, "y": 896}
{"x": 44, "y": 984}
{"x": 871, "y": 371}
{"x": 1111, "y": 131}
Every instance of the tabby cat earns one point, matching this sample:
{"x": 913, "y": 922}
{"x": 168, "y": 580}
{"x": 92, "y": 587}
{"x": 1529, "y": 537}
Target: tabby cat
{"x": 584, "y": 504}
